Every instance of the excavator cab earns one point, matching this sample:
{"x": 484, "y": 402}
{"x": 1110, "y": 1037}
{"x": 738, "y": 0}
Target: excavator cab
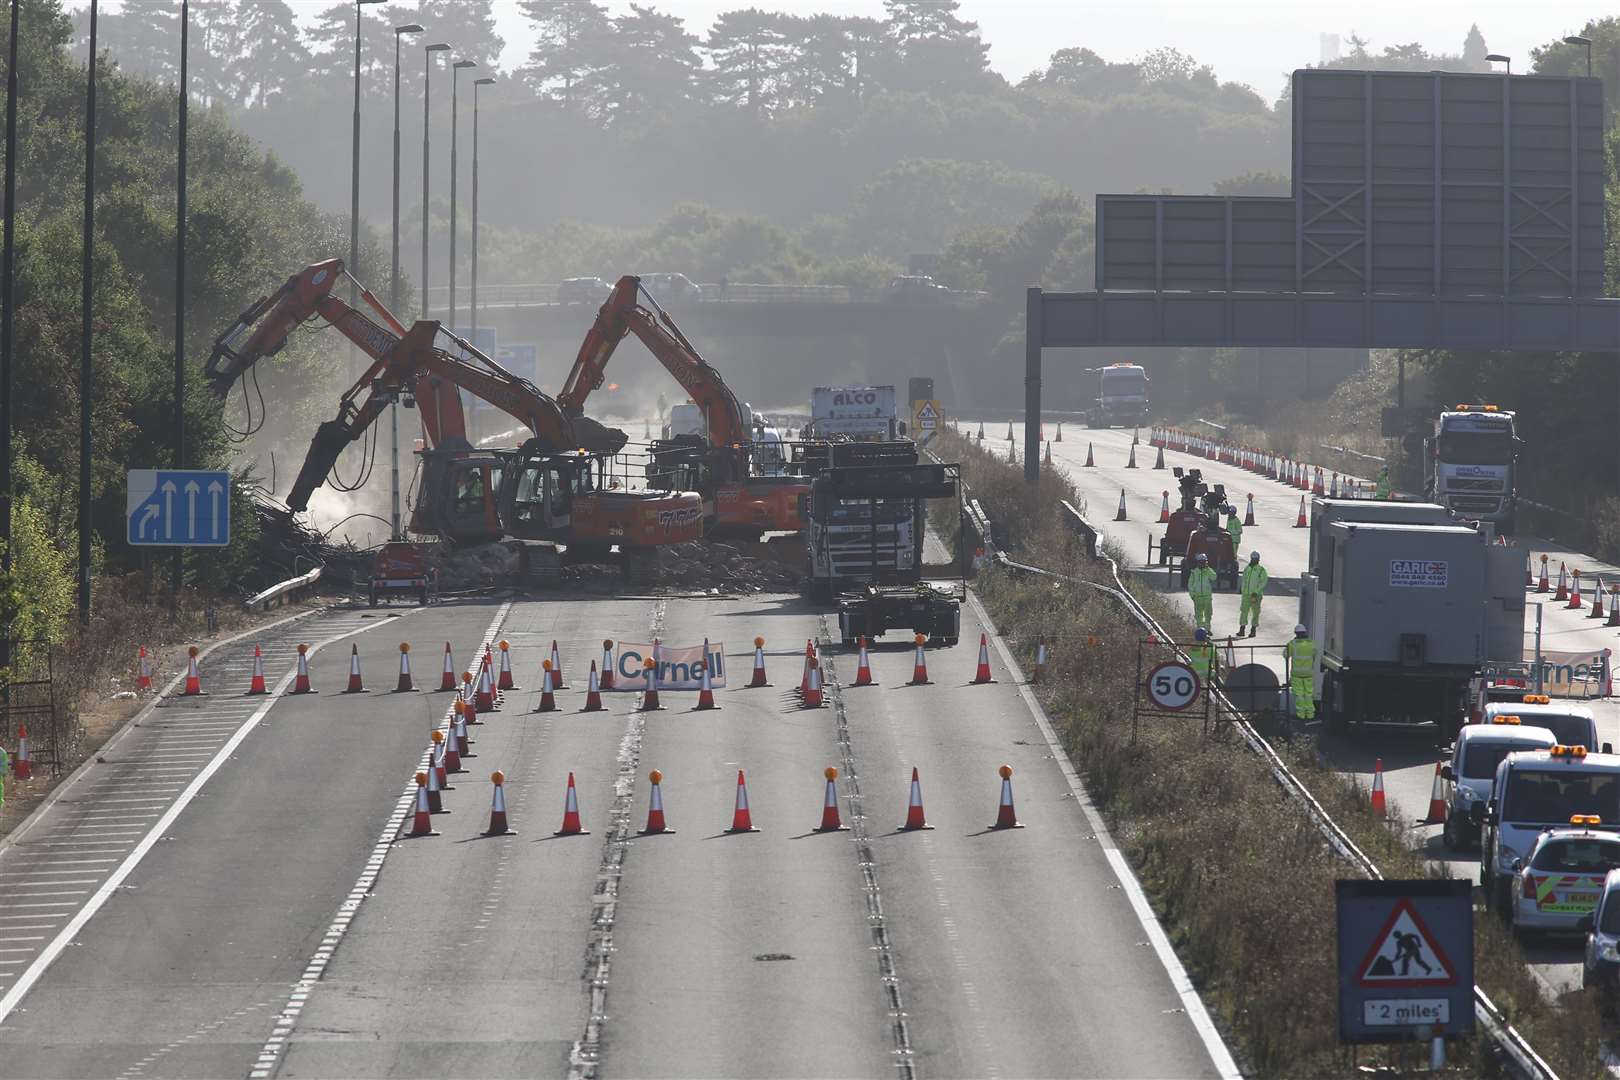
{"x": 459, "y": 495}
{"x": 538, "y": 501}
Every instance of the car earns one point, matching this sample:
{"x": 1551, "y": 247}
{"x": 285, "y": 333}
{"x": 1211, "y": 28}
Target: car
{"x": 1600, "y": 965}
{"x": 1574, "y": 725}
{"x": 1564, "y": 877}
{"x": 916, "y": 287}
{"x": 582, "y": 290}
{"x": 1471, "y": 772}
{"x": 667, "y": 286}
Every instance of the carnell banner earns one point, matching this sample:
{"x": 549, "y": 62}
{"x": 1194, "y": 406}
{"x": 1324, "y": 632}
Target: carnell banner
{"x": 679, "y": 667}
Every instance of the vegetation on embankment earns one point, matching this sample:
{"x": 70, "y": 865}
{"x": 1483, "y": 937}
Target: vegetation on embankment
{"x": 1240, "y": 878}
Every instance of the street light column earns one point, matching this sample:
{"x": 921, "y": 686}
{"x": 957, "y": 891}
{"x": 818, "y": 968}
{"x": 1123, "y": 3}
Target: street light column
{"x": 473, "y": 299}
{"x": 427, "y": 160}
{"x": 354, "y": 168}
{"x": 393, "y": 298}
{"x": 455, "y": 82}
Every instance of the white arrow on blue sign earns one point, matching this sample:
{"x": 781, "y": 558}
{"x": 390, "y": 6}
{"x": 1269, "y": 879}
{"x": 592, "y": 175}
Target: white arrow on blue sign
{"x": 179, "y": 508}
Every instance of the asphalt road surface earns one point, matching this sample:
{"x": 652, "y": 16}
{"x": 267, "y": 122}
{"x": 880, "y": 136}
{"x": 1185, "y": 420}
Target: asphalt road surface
{"x": 256, "y": 915}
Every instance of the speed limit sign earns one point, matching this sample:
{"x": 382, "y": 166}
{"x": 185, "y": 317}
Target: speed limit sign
{"x": 1173, "y": 686}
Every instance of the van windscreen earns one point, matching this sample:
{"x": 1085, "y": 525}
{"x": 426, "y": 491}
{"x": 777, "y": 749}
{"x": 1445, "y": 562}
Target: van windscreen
{"x": 1552, "y": 796}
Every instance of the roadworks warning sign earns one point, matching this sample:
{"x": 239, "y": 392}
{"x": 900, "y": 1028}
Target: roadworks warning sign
{"x": 1405, "y": 954}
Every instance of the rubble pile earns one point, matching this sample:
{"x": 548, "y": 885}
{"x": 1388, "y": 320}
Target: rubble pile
{"x": 734, "y": 567}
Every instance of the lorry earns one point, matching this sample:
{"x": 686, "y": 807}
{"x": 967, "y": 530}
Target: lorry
{"x": 1470, "y": 464}
{"x": 1405, "y": 605}
{"x": 1122, "y": 396}
{"x": 858, "y": 413}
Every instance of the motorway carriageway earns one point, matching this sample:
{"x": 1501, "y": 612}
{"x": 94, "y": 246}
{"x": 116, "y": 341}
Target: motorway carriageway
{"x": 1409, "y": 755}
{"x": 257, "y": 915}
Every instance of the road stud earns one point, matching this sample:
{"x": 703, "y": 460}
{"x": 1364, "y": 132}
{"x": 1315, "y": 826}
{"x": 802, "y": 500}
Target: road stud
{"x": 1006, "y": 818}
{"x": 655, "y": 807}
{"x": 497, "y": 807}
{"x": 571, "y": 825}
{"x": 256, "y": 683}
{"x": 915, "y": 819}
{"x": 830, "y": 821}
{"x": 741, "y": 819}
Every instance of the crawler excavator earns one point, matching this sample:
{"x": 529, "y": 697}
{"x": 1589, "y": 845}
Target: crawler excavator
{"x": 549, "y": 491}
{"x": 737, "y": 500}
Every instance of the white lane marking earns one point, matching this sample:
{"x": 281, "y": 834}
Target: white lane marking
{"x": 1219, "y": 1054}
{"x": 36, "y": 937}
{"x": 25, "y": 982}
{"x": 62, "y": 862}
{"x": 284, "y": 1021}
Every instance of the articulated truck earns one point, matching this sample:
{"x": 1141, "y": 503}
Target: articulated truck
{"x": 1470, "y": 464}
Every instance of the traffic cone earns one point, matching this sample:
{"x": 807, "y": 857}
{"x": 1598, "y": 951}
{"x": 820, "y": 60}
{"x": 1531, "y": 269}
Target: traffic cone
{"x": 505, "y": 682}
{"x": 1005, "y": 816}
{"x": 301, "y": 680}
{"x": 405, "y": 685}
{"x": 1040, "y": 660}
{"x": 1300, "y": 522}
{"x": 759, "y": 664}
{"x": 143, "y": 680}
{"x": 982, "y": 674}
{"x": 1597, "y": 600}
{"x": 556, "y": 668}
{"x": 22, "y": 766}
{"x": 1333, "y": 488}
{"x": 497, "y": 807}
{"x": 463, "y": 743}
{"x": 1437, "y": 800}
{"x": 809, "y": 656}
{"x": 829, "y": 805}
{"x": 649, "y": 696}
{"x": 1059, "y": 436}
{"x": 256, "y": 683}
{"x": 593, "y": 696}
{"x": 741, "y": 820}
{"x": 706, "y": 688}
{"x": 440, "y": 749}
{"x": 812, "y": 694}
{"x": 1164, "y": 509}
{"x": 484, "y": 697}
{"x": 1012, "y": 453}
{"x": 1158, "y": 462}
{"x": 606, "y": 680}
{"x": 422, "y": 817}
{"x": 981, "y": 431}
{"x": 571, "y": 825}
{"x": 548, "y": 700}
{"x": 655, "y": 807}
{"x": 1529, "y": 573}
{"x": 469, "y": 699}
{"x": 447, "y": 681}
{"x": 193, "y": 686}
{"x": 1120, "y": 514}
{"x": 435, "y": 799}
{"x": 1542, "y": 584}
{"x": 1091, "y": 462}
{"x": 863, "y": 667}
{"x": 1248, "y": 515}
{"x": 1048, "y": 458}
{"x": 452, "y": 752}
{"x": 1316, "y": 482}
{"x": 1574, "y": 590}
{"x": 914, "y": 807}
{"x": 1130, "y": 463}
{"x": 1379, "y": 806}
{"x": 919, "y": 667}
{"x": 355, "y": 685}
{"x": 1009, "y": 431}
{"x": 1614, "y": 607}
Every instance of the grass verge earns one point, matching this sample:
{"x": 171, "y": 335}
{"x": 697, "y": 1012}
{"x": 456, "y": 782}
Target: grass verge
{"x": 1241, "y": 880}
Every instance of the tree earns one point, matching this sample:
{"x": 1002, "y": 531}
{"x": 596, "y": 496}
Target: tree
{"x": 1474, "y": 49}
{"x": 566, "y": 33}
{"x": 648, "y": 65}
{"x": 818, "y": 60}
{"x": 749, "y": 51}
{"x": 469, "y": 25}
{"x": 938, "y": 52}
{"x": 273, "y": 56}
{"x": 214, "y": 40}
{"x": 145, "y": 42}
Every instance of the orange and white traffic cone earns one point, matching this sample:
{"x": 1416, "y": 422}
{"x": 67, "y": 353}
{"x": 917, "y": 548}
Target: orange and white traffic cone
{"x": 422, "y": 816}
{"x": 256, "y": 683}
{"x": 1164, "y": 509}
{"x": 1437, "y": 800}
{"x": 504, "y": 682}
{"x": 452, "y": 753}
{"x": 741, "y": 820}
{"x": 447, "y": 681}
{"x": 1158, "y": 462}
{"x": 809, "y": 655}
{"x": 759, "y": 664}
{"x": 497, "y": 807}
{"x": 1542, "y": 584}
{"x": 1119, "y": 515}
{"x": 571, "y": 825}
{"x": 440, "y": 759}
{"x": 301, "y": 684}
{"x": 193, "y": 675}
{"x": 1333, "y": 486}
{"x": 405, "y": 685}
{"x": 468, "y": 698}
{"x": 914, "y": 807}
{"x": 649, "y": 696}
{"x": 1091, "y": 461}
{"x": 22, "y": 765}
{"x": 606, "y": 679}
{"x": 593, "y": 696}
{"x": 1047, "y": 458}
{"x": 982, "y": 674}
{"x": 556, "y": 667}
{"x": 655, "y": 807}
{"x": 463, "y": 743}
{"x": 1009, "y": 431}
{"x": 1006, "y": 818}
{"x": 1379, "y": 806}
{"x": 434, "y": 798}
{"x": 863, "y": 666}
{"x": 1529, "y": 573}
{"x": 355, "y": 685}
{"x": 1574, "y": 590}
{"x": 1040, "y": 660}
{"x": 830, "y": 821}
{"x": 1130, "y": 462}
{"x": 484, "y": 696}
{"x": 1597, "y": 601}
{"x": 1614, "y": 607}
{"x": 1563, "y": 583}
{"x": 919, "y": 665}
{"x": 1300, "y": 522}
{"x": 1059, "y": 436}
{"x": 1248, "y": 513}
{"x": 706, "y": 688}
{"x": 548, "y": 700}
{"x": 812, "y": 694}
{"x": 143, "y": 678}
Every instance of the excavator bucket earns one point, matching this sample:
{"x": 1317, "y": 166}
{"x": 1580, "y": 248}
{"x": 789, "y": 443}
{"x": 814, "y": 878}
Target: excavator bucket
{"x": 598, "y": 438}
{"x": 330, "y": 439}
{"x": 263, "y": 328}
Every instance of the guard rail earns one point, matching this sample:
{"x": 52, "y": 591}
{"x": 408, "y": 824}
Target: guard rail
{"x": 283, "y": 592}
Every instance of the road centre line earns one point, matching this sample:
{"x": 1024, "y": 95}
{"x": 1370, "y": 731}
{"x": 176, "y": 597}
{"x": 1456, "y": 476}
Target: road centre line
{"x": 53, "y": 949}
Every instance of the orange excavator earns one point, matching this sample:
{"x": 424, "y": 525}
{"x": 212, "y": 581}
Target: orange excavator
{"x": 736, "y": 501}
{"x": 551, "y": 489}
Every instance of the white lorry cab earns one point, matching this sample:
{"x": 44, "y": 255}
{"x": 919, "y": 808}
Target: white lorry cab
{"x": 1470, "y": 775}
{"x": 1571, "y": 724}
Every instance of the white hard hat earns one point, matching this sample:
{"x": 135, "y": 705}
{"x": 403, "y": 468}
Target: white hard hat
{"x": 1299, "y": 628}
{"x": 1254, "y": 556}
{"x": 1202, "y": 557}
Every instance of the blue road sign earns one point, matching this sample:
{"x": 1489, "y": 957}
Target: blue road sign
{"x": 1406, "y": 959}
{"x": 179, "y": 508}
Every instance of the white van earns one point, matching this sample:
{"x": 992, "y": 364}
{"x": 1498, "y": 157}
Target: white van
{"x": 1571, "y": 724}
{"x": 1471, "y": 772}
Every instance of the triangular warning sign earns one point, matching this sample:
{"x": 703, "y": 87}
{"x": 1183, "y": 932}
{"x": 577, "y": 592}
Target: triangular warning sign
{"x": 926, "y": 411}
{"x": 1405, "y": 953}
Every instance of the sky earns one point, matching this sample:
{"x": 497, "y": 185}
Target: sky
{"x": 1249, "y": 41}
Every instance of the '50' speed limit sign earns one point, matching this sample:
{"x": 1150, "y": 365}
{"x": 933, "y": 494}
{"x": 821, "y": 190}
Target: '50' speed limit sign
{"x": 1173, "y": 685}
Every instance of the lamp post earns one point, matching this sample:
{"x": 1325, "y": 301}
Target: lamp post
{"x": 179, "y": 566}
{"x": 393, "y": 297}
{"x": 1498, "y": 58}
{"x": 7, "y": 263}
{"x": 473, "y": 300}
{"x": 354, "y": 166}
{"x": 455, "y": 79}
{"x": 87, "y": 369}
{"x": 427, "y": 78}
{"x": 1576, "y": 39}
